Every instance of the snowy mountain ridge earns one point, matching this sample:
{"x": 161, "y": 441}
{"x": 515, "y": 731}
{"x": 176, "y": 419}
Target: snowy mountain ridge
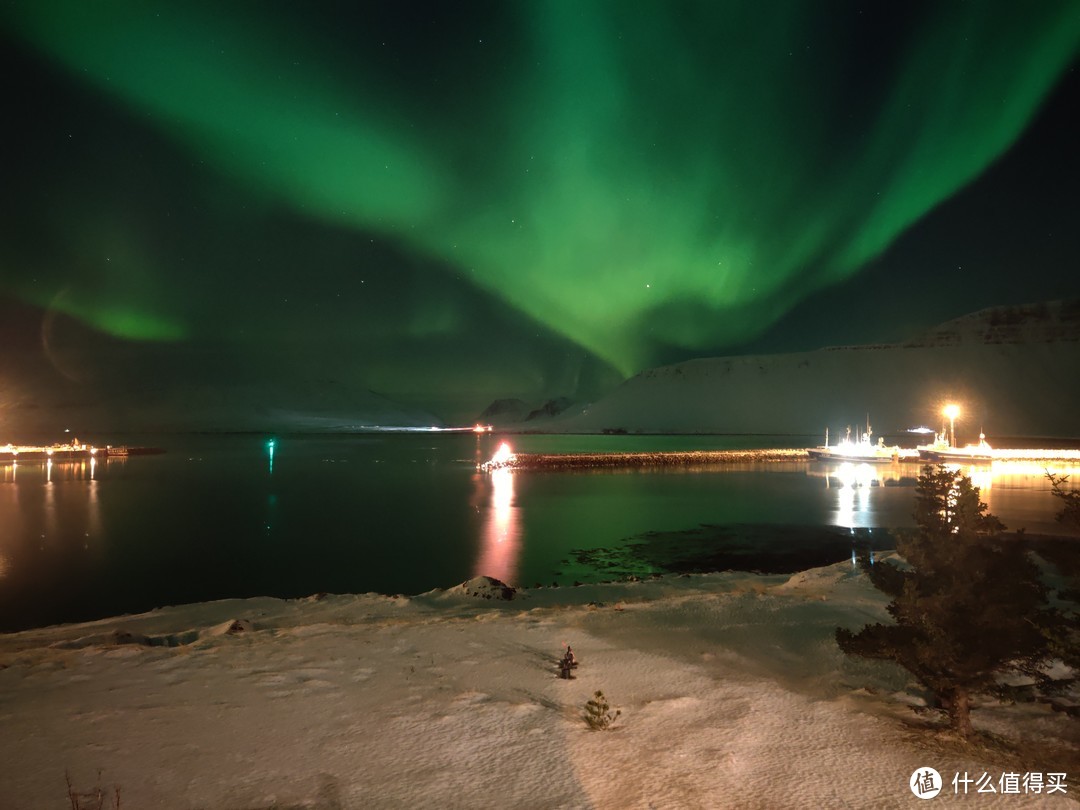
{"x": 1048, "y": 322}
{"x": 1011, "y": 369}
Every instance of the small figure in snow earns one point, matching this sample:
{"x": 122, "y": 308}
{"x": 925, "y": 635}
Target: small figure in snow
{"x": 568, "y": 663}
{"x": 565, "y": 670}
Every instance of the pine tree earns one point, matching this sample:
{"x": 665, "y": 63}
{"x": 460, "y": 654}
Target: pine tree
{"x": 1068, "y": 646}
{"x": 1070, "y": 510}
{"x": 598, "y": 714}
{"x": 970, "y": 607}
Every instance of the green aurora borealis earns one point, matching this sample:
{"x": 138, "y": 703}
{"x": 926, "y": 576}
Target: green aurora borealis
{"x": 623, "y": 183}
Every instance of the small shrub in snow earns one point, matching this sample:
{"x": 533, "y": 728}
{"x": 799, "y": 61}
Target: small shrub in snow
{"x": 91, "y": 799}
{"x": 598, "y": 715}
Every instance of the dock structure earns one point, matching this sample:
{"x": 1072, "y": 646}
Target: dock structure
{"x": 71, "y": 452}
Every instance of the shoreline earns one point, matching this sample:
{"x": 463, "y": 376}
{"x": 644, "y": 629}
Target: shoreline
{"x": 679, "y": 554}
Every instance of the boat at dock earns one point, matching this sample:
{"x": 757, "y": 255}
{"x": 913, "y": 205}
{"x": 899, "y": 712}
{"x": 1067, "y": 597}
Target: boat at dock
{"x": 865, "y": 450}
{"x": 942, "y": 452}
{"x": 123, "y": 451}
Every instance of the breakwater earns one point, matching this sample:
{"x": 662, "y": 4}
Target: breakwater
{"x": 704, "y": 458}
{"x": 692, "y": 458}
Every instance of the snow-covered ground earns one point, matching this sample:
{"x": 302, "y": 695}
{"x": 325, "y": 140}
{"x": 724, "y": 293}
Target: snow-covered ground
{"x": 732, "y": 692}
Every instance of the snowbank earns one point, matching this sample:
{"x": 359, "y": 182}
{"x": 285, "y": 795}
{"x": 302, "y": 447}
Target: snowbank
{"x": 732, "y": 691}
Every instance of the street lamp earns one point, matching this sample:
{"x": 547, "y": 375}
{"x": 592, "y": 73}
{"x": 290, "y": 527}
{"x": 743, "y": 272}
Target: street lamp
{"x": 952, "y": 411}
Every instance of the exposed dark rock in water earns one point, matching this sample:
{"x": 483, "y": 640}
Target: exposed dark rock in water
{"x": 765, "y": 549}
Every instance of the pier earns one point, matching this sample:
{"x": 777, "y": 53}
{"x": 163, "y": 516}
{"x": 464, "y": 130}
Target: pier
{"x": 11, "y": 453}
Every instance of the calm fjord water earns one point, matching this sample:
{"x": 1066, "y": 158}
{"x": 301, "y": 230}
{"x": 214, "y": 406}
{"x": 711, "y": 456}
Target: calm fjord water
{"x": 219, "y": 516}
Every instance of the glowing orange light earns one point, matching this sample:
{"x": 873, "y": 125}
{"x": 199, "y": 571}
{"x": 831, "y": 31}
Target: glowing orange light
{"x": 503, "y": 455}
{"x": 952, "y": 411}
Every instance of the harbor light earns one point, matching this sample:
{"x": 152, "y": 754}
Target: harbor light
{"x": 504, "y": 457}
{"x": 952, "y": 411}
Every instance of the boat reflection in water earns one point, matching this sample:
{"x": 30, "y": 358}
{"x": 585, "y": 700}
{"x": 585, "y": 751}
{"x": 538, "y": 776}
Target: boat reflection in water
{"x": 873, "y": 496}
{"x": 1005, "y": 487}
{"x": 853, "y": 483}
{"x": 856, "y": 487}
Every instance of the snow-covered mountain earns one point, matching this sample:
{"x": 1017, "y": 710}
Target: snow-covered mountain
{"x": 1015, "y": 371}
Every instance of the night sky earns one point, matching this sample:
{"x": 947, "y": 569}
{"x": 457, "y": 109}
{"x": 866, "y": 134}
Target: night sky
{"x": 449, "y": 202}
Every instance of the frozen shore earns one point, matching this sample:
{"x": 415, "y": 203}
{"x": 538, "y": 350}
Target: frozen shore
{"x": 732, "y": 690}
